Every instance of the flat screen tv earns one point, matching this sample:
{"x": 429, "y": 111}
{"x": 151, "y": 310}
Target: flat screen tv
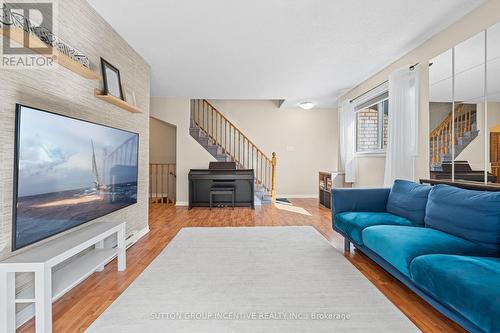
{"x": 68, "y": 172}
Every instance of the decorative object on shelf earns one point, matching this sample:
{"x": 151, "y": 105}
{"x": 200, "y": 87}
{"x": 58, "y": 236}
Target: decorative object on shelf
{"x": 12, "y": 21}
{"x": 112, "y": 80}
{"x": 116, "y": 101}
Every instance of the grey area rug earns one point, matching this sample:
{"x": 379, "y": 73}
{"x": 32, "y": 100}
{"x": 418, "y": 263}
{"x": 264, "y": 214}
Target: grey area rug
{"x": 258, "y": 279}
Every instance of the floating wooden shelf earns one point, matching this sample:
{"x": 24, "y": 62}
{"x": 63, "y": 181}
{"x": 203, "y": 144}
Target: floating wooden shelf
{"x": 17, "y": 35}
{"x": 116, "y": 101}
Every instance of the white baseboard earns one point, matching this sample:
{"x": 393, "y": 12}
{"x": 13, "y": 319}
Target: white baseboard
{"x": 28, "y": 312}
{"x": 298, "y": 196}
{"x": 137, "y": 235}
{"x": 289, "y": 196}
{"x": 24, "y": 315}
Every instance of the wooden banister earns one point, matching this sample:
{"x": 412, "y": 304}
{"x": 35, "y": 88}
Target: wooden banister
{"x": 222, "y": 132}
{"x": 441, "y": 138}
{"x": 162, "y": 181}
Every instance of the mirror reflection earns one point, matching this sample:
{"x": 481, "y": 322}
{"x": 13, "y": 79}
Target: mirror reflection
{"x": 465, "y": 110}
{"x": 469, "y": 131}
{"x": 493, "y": 99}
{"x": 440, "y": 108}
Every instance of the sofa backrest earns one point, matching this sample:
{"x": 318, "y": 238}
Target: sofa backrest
{"x": 409, "y": 200}
{"x": 472, "y": 215}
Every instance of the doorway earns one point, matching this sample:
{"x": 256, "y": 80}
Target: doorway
{"x": 162, "y": 162}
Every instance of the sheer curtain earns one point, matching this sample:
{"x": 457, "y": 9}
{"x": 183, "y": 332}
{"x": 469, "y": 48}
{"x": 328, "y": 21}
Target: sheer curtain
{"x": 402, "y": 146}
{"x": 347, "y": 121}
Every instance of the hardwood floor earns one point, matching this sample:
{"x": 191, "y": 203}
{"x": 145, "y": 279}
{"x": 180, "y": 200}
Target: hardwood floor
{"x": 76, "y": 310}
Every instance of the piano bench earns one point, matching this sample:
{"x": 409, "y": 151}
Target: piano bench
{"x": 221, "y": 191}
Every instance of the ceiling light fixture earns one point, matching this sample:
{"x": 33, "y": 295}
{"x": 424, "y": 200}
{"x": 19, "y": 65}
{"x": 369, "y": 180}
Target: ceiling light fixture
{"x": 307, "y": 105}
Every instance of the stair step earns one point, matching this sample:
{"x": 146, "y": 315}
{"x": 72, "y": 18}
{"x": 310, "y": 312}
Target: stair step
{"x": 221, "y": 155}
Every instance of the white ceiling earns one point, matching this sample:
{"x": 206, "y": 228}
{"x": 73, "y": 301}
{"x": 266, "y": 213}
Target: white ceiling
{"x": 294, "y": 50}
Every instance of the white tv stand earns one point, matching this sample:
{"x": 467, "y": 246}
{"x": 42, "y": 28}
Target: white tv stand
{"x": 50, "y": 284}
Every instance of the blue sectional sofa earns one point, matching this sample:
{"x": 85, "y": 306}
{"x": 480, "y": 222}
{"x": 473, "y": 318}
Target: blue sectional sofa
{"x": 442, "y": 242}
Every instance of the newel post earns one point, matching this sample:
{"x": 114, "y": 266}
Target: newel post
{"x": 274, "y": 160}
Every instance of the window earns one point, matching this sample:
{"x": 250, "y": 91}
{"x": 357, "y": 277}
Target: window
{"x": 371, "y": 125}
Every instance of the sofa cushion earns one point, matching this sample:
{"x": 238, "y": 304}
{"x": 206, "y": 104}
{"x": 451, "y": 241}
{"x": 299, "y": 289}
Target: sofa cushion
{"x": 359, "y": 199}
{"x": 399, "y": 245}
{"x": 473, "y": 215}
{"x": 469, "y": 285}
{"x": 408, "y": 199}
{"x": 353, "y": 223}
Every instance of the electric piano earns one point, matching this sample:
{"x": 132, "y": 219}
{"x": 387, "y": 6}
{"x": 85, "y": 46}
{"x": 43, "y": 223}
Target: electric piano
{"x": 221, "y": 175}
{"x": 463, "y": 171}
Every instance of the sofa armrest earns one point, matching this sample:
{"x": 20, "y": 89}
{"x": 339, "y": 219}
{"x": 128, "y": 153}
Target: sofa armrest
{"x": 359, "y": 200}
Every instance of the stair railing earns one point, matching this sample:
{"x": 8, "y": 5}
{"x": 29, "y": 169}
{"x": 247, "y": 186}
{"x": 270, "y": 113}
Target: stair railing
{"x": 162, "y": 182}
{"x": 235, "y": 143}
{"x": 441, "y": 138}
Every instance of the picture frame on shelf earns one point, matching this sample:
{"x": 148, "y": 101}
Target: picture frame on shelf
{"x": 112, "y": 80}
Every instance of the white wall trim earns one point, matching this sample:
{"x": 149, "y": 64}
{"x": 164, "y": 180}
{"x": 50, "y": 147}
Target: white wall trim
{"x": 257, "y": 202}
{"x": 136, "y": 236}
{"x": 24, "y": 315}
{"x": 28, "y": 312}
{"x": 298, "y": 196}
{"x": 374, "y": 153}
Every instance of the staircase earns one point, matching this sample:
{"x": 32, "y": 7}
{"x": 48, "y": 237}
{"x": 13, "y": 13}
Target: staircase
{"x": 227, "y": 143}
{"x": 442, "y": 139}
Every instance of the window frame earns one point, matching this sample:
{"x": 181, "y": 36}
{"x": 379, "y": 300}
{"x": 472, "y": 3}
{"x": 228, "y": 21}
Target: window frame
{"x": 365, "y": 104}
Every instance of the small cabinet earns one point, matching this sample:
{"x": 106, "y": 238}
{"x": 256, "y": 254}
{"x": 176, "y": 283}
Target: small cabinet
{"x": 327, "y": 181}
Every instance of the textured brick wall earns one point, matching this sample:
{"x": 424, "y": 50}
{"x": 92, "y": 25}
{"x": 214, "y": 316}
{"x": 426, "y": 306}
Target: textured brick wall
{"x": 367, "y": 130}
{"x": 386, "y": 123}
{"x": 62, "y": 91}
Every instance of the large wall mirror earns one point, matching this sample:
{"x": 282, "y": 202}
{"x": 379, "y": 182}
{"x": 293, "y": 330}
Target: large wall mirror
{"x": 465, "y": 110}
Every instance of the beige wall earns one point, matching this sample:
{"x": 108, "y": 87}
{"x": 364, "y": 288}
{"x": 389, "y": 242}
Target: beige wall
{"x": 474, "y": 153}
{"x": 190, "y": 154}
{"x": 438, "y": 112}
{"x": 471, "y": 24}
{"x": 305, "y": 141}
{"x": 162, "y": 141}
{"x": 62, "y": 91}
{"x": 370, "y": 170}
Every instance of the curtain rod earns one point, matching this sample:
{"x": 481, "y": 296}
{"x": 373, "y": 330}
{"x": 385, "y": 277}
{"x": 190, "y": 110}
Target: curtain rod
{"x": 412, "y": 67}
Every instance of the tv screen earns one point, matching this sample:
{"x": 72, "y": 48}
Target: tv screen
{"x": 68, "y": 172}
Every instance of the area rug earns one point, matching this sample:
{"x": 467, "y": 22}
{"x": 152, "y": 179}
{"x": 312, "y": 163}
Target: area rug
{"x": 257, "y": 279}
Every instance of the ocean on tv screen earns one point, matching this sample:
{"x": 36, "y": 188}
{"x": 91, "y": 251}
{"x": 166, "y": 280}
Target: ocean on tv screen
{"x": 69, "y": 172}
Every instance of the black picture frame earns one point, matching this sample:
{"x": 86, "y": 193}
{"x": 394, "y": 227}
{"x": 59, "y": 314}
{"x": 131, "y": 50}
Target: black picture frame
{"x": 17, "y": 139}
{"x": 106, "y": 65}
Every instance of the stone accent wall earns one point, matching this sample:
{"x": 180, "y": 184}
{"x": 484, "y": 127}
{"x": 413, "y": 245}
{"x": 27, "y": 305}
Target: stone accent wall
{"x": 62, "y": 91}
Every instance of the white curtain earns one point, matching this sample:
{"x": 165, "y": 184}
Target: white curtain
{"x": 402, "y": 146}
{"x": 347, "y": 121}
